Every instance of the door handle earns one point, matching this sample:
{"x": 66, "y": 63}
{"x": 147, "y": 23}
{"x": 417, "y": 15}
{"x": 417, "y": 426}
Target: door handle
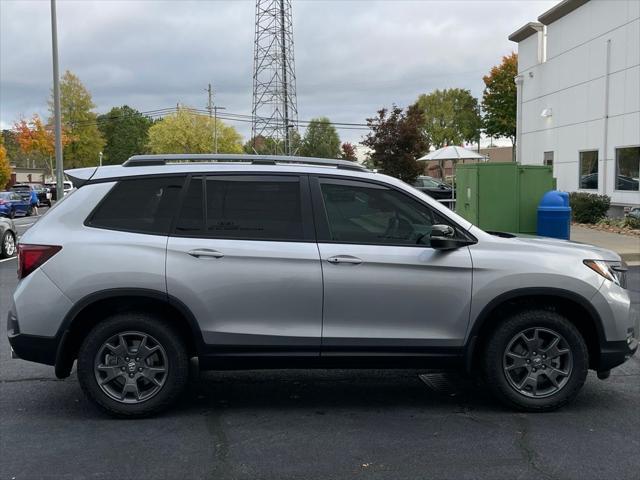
{"x": 344, "y": 259}
{"x": 205, "y": 252}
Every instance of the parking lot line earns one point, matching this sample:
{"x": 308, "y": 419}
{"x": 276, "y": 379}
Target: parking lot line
{"x": 8, "y": 259}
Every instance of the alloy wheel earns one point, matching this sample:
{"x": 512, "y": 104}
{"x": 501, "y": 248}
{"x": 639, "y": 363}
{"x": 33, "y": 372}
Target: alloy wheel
{"x": 537, "y": 362}
{"x": 131, "y": 367}
{"x": 9, "y": 245}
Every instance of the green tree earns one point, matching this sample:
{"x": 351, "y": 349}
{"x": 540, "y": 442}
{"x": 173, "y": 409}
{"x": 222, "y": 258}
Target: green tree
{"x": 320, "y": 139}
{"x": 79, "y": 122}
{"x": 348, "y": 152}
{"x": 396, "y": 140}
{"x": 260, "y": 145}
{"x": 451, "y": 117}
{"x": 5, "y": 168}
{"x": 126, "y": 132}
{"x": 499, "y": 100}
{"x": 189, "y": 132}
{"x": 14, "y": 153}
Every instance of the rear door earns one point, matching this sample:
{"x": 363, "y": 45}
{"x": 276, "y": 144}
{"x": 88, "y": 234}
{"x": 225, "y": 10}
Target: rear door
{"x": 243, "y": 258}
{"x": 385, "y": 289}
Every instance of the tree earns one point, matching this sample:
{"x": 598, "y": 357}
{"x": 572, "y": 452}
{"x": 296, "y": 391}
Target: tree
{"x": 451, "y": 117}
{"x": 14, "y": 153}
{"x": 79, "y": 121}
{"x": 189, "y": 132}
{"x": 396, "y": 140}
{"x": 499, "y": 100}
{"x": 320, "y": 140}
{"x": 38, "y": 140}
{"x": 126, "y": 132}
{"x": 348, "y": 152}
{"x": 260, "y": 145}
{"x": 5, "y": 168}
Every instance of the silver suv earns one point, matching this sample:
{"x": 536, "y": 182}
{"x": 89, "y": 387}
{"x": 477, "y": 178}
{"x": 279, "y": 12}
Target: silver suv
{"x": 280, "y": 262}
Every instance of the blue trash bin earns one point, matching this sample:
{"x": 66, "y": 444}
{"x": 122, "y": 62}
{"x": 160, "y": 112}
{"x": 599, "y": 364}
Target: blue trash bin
{"x": 554, "y": 215}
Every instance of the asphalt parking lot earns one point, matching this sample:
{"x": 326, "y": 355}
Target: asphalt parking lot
{"x": 338, "y": 424}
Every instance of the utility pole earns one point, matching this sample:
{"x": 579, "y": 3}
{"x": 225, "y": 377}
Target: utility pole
{"x": 215, "y": 125}
{"x": 56, "y": 103}
{"x": 213, "y": 110}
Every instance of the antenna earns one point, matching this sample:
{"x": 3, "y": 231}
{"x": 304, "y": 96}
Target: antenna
{"x": 275, "y": 109}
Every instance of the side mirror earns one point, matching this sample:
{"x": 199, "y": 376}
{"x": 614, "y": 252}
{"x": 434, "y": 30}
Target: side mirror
{"x": 442, "y": 238}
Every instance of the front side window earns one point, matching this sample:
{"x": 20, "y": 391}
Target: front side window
{"x": 588, "y": 165}
{"x": 139, "y": 205}
{"x": 628, "y": 168}
{"x": 373, "y": 214}
{"x": 241, "y": 207}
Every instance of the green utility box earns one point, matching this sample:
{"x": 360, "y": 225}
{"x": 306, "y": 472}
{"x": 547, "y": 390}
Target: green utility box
{"x": 502, "y": 196}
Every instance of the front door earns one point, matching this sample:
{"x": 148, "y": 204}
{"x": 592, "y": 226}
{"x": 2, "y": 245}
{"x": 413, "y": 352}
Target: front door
{"x": 243, "y": 258}
{"x": 385, "y": 289}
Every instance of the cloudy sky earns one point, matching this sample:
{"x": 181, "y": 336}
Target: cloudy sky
{"x": 352, "y": 57}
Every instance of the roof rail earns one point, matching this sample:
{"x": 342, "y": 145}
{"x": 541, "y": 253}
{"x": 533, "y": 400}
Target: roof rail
{"x": 163, "y": 159}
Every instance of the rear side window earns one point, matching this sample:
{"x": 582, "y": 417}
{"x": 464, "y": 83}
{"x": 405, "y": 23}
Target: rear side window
{"x": 139, "y": 205}
{"x": 242, "y": 207}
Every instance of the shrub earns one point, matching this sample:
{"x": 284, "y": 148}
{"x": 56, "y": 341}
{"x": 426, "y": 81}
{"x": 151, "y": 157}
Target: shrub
{"x": 588, "y": 207}
{"x": 631, "y": 222}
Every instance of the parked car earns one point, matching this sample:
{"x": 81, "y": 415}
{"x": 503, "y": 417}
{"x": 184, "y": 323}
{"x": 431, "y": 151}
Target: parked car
{"x": 27, "y": 192}
{"x": 634, "y": 213}
{"x": 8, "y": 238}
{"x": 433, "y": 187}
{"x": 44, "y": 196}
{"x": 68, "y": 186}
{"x": 259, "y": 262}
{"x": 12, "y": 204}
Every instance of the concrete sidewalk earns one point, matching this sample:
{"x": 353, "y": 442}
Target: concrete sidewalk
{"x": 627, "y": 246}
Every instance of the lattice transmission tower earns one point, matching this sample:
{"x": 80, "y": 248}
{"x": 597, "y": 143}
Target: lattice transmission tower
{"x": 275, "y": 109}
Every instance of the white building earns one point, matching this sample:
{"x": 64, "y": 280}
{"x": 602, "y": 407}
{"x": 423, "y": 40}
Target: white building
{"x": 579, "y": 96}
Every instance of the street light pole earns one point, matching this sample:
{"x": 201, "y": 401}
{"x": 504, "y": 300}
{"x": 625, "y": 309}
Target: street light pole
{"x": 215, "y": 125}
{"x": 56, "y": 103}
{"x": 100, "y": 155}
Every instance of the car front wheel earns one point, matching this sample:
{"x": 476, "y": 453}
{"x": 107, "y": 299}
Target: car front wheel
{"x": 536, "y": 361}
{"x": 133, "y": 365}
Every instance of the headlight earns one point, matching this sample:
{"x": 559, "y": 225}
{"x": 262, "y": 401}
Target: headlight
{"x": 615, "y": 272}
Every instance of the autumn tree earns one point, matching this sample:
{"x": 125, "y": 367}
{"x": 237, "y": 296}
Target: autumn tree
{"x": 80, "y": 123}
{"x": 37, "y": 139}
{"x": 499, "y": 100}
{"x": 396, "y": 140}
{"x": 126, "y": 133}
{"x": 14, "y": 153}
{"x": 188, "y": 132}
{"x": 348, "y": 152}
{"x": 5, "y": 168}
{"x": 320, "y": 139}
{"x": 261, "y": 145}
{"x": 451, "y": 117}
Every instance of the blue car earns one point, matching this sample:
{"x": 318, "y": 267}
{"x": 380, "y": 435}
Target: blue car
{"x": 12, "y": 204}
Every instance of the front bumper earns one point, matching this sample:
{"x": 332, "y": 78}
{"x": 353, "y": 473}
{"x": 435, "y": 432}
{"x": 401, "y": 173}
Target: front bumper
{"x": 613, "y": 354}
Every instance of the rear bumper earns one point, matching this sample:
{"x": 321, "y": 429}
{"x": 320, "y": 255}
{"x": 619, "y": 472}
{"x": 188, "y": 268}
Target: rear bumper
{"x": 34, "y": 348}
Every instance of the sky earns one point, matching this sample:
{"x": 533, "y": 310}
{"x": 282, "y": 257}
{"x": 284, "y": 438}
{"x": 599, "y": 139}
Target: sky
{"x": 352, "y": 57}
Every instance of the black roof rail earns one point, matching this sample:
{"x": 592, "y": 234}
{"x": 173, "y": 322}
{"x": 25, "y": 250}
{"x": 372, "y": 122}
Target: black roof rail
{"x": 163, "y": 159}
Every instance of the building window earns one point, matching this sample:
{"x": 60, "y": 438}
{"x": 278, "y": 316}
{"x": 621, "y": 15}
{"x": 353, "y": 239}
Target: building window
{"x": 548, "y": 159}
{"x": 588, "y": 166}
{"x": 628, "y": 168}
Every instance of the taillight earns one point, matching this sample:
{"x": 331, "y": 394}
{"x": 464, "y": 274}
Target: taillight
{"x": 31, "y": 257}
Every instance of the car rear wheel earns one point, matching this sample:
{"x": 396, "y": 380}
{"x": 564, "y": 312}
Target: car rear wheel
{"x": 7, "y": 245}
{"x": 133, "y": 365}
{"x": 12, "y": 213}
{"x": 536, "y": 361}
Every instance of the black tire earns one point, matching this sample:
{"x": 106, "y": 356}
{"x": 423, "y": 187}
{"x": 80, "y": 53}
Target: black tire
{"x": 499, "y": 375}
{"x": 12, "y": 213}
{"x": 29, "y": 211}
{"x": 3, "y": 250}
{"x": 177, "y": 371}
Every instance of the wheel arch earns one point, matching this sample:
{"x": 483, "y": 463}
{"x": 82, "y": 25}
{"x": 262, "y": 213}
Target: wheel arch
{"x": 95, "y": 307}
{"x": 577, "y": 309}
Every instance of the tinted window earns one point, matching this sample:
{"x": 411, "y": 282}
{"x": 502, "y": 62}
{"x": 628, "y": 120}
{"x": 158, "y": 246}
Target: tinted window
{"x": 267, "y": 208}
{"x": 589, "y": 170}
{"x": 367, "y": 213}
{"x": 628, "y": 168}
{"x": 144, "y": 205}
